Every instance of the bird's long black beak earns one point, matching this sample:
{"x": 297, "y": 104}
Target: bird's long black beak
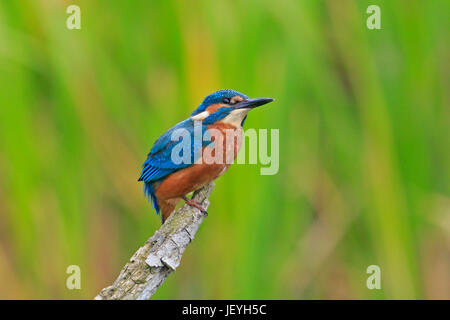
{"x": 252, "y": 103}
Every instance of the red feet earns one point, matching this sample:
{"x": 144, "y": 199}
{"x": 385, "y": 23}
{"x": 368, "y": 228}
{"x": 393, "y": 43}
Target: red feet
{"x": 195, "y": 204}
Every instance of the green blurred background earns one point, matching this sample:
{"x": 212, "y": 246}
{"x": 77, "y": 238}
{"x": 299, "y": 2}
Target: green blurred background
{"x": 364, "y": 124}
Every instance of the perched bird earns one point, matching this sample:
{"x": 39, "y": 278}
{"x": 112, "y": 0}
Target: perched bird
{"x": 167, "y": 181}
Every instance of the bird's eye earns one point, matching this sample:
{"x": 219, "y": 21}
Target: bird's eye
{"x": 226, "y": 100}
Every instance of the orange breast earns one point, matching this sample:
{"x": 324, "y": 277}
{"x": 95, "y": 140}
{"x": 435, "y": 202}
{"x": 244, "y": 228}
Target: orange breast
{"x": 231, "y": 142}
{"x": 189, "y": 179}
{"x": 199, "y": 174}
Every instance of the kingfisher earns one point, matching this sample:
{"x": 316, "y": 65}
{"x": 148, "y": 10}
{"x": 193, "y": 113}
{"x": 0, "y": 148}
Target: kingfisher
{"x": 219, "y": 120}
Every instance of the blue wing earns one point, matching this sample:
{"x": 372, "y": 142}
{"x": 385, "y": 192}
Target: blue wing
{"x": 159, "y": 163}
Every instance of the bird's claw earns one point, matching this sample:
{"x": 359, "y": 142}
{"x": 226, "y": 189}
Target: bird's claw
{"x": 195, "y": 204}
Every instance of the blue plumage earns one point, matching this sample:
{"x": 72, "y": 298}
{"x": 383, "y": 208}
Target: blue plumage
{"x": 217, "y": 116}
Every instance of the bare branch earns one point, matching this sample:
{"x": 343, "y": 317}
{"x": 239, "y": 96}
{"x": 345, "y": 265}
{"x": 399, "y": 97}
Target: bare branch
{"x": 160, "y": 255}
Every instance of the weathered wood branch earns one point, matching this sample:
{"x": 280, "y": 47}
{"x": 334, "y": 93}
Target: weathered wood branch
{"x": 160, "y": 255}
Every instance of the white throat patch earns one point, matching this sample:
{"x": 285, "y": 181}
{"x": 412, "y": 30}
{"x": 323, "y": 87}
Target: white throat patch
{"x": 235, "y": 117}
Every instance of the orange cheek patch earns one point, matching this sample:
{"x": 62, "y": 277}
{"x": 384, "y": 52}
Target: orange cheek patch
{"x": 214, "y": 107}
{"x": 236, "y": 99}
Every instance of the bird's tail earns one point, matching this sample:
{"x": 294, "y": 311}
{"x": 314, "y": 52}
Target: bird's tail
{"x": 150, "y": 193}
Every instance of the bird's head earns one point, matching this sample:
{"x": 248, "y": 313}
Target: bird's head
{"x": 228, "y": 106}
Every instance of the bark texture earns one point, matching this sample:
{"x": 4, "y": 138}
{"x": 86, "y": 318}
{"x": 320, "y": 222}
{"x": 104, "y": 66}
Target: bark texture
{"x": 160, "y": 255}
